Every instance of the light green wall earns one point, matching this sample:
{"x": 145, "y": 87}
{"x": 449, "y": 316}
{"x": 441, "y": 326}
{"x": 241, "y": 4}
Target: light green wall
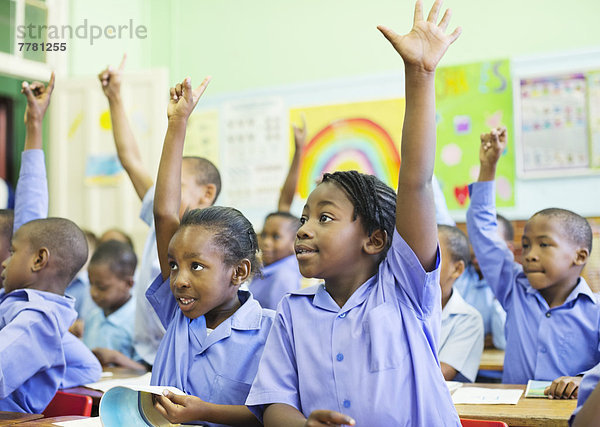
{"x": 248, "y": 44}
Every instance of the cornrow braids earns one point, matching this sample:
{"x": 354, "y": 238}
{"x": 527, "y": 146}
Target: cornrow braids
{"x": 374, "y": 202}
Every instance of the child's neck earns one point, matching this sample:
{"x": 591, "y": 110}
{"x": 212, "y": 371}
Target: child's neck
{"x": 556, "y": 295}
{"x": 109, "y": 311}
{"x": 219, "y": 314}
{"x": 343, "y": 286}
{"x": 446, "y": 298}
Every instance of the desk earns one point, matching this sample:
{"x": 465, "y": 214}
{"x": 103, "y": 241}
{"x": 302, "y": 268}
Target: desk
{"x": 528, "y": 412}
{"x": 49, "y": 422}
{"x": 492, "y": 359}
{"x": 96, "y": 395}
{"x": 9, "y": 418}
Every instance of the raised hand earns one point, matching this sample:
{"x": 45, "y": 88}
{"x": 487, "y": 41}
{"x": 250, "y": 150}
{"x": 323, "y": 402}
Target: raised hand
{"x": 38, "y": 99}
{"x": 183, "y": 99}
{"x": 300, "y": 134}
{"x": 492, "y": 146}
{"x": 427, "y": 41}
{"x": 110, "y": 79}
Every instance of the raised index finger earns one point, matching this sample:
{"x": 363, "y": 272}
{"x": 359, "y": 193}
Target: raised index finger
{"x": 200, "y": 89}
{"x": 122, "y": 64}
{"x": 51, "y": 84}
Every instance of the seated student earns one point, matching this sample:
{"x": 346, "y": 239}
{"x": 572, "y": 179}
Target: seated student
{"x": 215, "y": 332}
{"x": 80, "y": 365}
{"x": 200, "y": 186}
{"x": 108, "y": 329}
{"x": 34, "y": 313}
{"x": 116, "y": 234}
{"x": 546, "y": 292}
{"x": 377, "y": 252}
{"x": 461, "y": 342}
{"x": 587, "y": 412}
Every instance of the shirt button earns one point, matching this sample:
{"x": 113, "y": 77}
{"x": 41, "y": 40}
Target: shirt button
{"x": 339, "y": 357}
{"x": 543, "y": 349}
{"x": 342, "y": 315}
{"x": 548, "y": 314}
{"x": 346, "y": 403}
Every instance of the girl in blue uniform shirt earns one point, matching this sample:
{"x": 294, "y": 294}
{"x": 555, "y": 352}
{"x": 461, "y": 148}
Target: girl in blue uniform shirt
{"x": 215, "y": 333}
{"x": 362, "y": 348}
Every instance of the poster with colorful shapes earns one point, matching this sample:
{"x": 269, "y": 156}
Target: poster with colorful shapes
{"x": 364, "y": 136}
{"x": 593, "y": 81}
{"x": 554, "y": 130}
{"x": 470, "y": 100}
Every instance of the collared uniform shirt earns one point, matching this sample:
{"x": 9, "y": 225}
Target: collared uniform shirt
{"x": 374, "y": 359}
{"x": 79, "y": 290}
{"x": 218, "y": 367}
{"x": 114, "y": 331}
{"x": 279, "y": 278}
{"x": 461, "y": 342}
{"x": 542, "y": 343}
{"x": 478, "y": 294}
{"x": 82, "y": 366}
{"x": 32, "y": 359}
{"x": 588, "y": 383}
{"x": 148, "y": 329}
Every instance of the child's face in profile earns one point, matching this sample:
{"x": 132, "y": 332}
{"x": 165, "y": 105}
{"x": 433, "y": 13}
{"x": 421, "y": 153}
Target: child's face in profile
{"x": 200, "y": 280}
{"x": 276, "y": 241}
{"x": 447, "y": 268}
{"x": 329, "y": 243}
{"x": 108, "y": 290}
{"x": 548, "y": 254}
{"x": 16, "y": 272}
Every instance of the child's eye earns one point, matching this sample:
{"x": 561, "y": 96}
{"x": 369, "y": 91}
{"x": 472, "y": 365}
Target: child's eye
{"x": 544, "y": 245}
{"x": 173, "y": 265}
{"x": 325, "y": 218}
{"x": 276, "y": 236}
{"x": 197, "y": 266}
{"x": 303, "y": 220}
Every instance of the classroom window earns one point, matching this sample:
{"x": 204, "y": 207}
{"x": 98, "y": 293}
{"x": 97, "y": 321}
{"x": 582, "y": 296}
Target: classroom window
{"x": 7, "y": 26}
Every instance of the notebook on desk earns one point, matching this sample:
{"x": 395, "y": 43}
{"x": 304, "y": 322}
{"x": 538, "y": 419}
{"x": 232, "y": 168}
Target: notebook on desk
{"x": 536, "y": 388}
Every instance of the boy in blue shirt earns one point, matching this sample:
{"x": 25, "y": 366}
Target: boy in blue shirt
{"x": 108, "y": 329}
{"x": 461, "y": 342}
{"x": 546, "y": 299}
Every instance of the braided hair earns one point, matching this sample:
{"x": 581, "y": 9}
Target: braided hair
{"x": 374, "y": 202}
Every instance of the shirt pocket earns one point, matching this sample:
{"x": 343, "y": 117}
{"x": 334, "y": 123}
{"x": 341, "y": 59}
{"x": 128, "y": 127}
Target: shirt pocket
{"x": 226, "y": 391}
{"x": 387, "y": 347}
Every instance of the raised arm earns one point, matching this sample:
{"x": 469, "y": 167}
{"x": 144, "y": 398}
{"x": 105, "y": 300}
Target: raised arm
{"x": 167, "y": 197}
{"x": 288, "y": 190}
{"x": 421, "y": 50}
{"x": 127, "y": 148}
{"x": 31, "y": 195}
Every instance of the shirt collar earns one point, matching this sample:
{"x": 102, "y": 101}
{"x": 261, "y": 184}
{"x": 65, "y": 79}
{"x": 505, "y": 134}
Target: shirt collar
{"x": 582, "y": 288}
{"x": 455, "y": 305}
{"x": 249, "y": 315}
{"x": 123, "y": 314}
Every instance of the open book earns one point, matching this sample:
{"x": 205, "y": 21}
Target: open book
{"x": 131, "y": 405}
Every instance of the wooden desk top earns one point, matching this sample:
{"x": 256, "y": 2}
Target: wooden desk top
{"x": 492, "y": 359}
{"x": 49, "y": 422}
{"x": 527, "y": 412}
{"x": 9, "y": 418}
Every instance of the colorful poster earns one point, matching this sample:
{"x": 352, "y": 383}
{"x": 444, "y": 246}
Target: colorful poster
{"x": 103, "y": 170}
{"x": 554, "y": 130}
{"x": 202, "y": 136}
{"x": 593, "y": 80}
{"x": 364, "y": 136}
{"x": 470, "y": 100}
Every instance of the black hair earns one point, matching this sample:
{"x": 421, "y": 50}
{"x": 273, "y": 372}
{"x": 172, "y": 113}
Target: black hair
{"x": 294, "y": 220}
{"x": 126, "y": 237}
{"x": 118, "y": 255}
{"x": 65, "y": 242}
{"x": 233, "y": 233}
{"x": 509, "y": 231}
{"x": 7, "y": 218}
{"x": 457, "y": 243}
{"x": 206, "y": 173}
{"x": 374, "y": 202}
{"x": 574, "y": 226}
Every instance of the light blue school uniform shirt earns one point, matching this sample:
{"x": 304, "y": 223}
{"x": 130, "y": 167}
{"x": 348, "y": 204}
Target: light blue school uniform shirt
{"x": 79, "y": 289}
{"x": 279, "y": 278}
{"x": 476, "y": 293}
{"x": 148, "y": 329}
{"x": 540, "y": 342}
{"x": 82, "y": 366}
{"x": 219, "y": 366}
{"x": 32, "y": 358}
{"x": 114, "y": 331}
{"x": 374, "y": 359}
{"x": 461, "y": 342}
{"x": 588, "y": 383}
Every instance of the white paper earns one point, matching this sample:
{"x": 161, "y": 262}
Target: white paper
{"x": 155, "y": 389}
{"x": 453, "y": 385}
{"x": 103, "y": 386}
{"x": 486, "y": 396}
{"x": 84, "y": 422}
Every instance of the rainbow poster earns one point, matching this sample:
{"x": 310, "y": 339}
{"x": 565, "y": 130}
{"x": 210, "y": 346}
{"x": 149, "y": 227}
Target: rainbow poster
{"x": 364, "y": 136}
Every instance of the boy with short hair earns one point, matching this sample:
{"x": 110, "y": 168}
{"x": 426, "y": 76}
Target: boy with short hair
{"x": 108, "y": 329}
{"x": 461, "y": 339}
{"x": 200, "y": 187}
{"x": 546, "y": 299}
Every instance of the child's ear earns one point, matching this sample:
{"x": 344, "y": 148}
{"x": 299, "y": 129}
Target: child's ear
{"x": 581, "y": 256}
{"x": 40, "y": 261}
{"x": 376, "y": 242}
{"x": 208, "y": 192}
{"x": 459, "y": 268}
{"x": 129, "y": 281}
{"x": 241, "y": 272}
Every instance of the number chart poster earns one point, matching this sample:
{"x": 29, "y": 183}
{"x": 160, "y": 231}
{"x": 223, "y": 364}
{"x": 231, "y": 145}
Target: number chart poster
{"x": 364, "y": 136}
{"x": 471, "y": 99}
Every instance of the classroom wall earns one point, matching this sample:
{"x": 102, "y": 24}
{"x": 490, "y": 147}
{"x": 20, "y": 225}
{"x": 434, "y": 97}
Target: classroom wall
{"x": 267, "y": 46}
